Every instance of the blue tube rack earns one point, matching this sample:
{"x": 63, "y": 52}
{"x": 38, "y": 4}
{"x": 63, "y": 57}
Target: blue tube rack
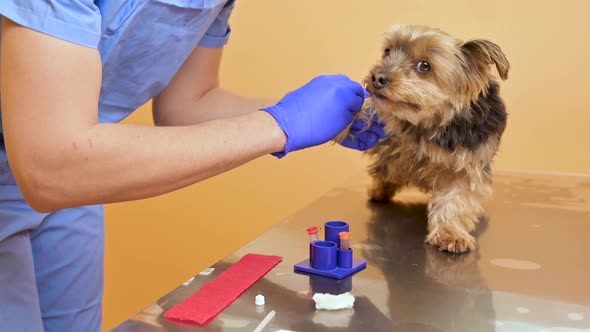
{"x": 326, "y": 258}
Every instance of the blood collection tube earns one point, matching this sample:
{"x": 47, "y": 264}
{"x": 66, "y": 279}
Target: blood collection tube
{"x": 344, "y": 240}
{"x": 313, "y": 233}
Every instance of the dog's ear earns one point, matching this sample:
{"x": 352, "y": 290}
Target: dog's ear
{"x": 480, "y": 53}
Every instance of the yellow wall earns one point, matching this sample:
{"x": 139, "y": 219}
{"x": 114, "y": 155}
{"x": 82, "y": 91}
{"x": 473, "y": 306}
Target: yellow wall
{"x": 153, "y": 245}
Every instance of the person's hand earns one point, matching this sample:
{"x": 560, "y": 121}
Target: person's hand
{"x": 362, "y": 137}
{"x": 318, "y": 111}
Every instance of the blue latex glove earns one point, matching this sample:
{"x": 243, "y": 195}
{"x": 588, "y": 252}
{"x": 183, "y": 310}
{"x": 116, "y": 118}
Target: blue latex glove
{"x": 317, "y": 112}
{"x": 364, "y": 138}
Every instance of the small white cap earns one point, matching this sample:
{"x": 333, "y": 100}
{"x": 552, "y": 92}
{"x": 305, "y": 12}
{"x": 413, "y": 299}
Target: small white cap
{"x": 259, "y": 299}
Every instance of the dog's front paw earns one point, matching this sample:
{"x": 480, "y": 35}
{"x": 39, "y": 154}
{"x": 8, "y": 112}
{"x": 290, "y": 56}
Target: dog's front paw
{"x": 342, "y": 136}
{"x": 451, "y": 242}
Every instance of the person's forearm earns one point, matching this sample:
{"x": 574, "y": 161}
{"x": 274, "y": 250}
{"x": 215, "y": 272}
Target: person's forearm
{"x": 217, "y": 103}
{"x": 119, "y": 162}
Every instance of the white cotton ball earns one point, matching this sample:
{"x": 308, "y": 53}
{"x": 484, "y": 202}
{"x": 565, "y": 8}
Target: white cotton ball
{"x": 333, "y": 302}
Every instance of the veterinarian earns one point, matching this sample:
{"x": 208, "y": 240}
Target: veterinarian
{"x": 70, "y": 72}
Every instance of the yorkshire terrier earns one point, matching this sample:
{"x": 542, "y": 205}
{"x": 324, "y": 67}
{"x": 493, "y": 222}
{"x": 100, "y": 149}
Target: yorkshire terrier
{"x": 439, "y": 101}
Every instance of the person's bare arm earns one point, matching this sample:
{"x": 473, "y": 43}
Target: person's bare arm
{"x": 62, "y": 157}
{"x": 194, "y": 95}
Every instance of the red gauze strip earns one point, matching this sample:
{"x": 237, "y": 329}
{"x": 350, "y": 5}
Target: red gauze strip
{"x": 214, "y": 296}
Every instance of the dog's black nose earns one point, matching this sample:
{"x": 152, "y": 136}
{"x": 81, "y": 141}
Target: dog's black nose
{"x": 379, "y": 80}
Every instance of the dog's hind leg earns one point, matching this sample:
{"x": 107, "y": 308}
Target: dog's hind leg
{"x": 382, "y": 191}
{"x": 383, "y": 185}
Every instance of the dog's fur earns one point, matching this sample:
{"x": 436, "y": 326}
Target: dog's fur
{"x": 444, "y": 126}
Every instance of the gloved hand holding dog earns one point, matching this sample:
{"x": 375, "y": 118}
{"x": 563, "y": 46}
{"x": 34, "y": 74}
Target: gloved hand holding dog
{"x": 320, "y": 110}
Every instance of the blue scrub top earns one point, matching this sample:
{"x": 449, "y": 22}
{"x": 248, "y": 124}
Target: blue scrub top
{"x": 142, "y": 44}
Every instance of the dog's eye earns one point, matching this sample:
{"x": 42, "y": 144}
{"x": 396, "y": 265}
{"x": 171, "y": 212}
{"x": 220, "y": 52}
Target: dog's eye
{"x": 387, "y": 52}
{"x": 423, "y": 67}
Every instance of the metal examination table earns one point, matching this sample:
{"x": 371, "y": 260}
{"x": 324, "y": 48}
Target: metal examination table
{"x": 531, "y": 271}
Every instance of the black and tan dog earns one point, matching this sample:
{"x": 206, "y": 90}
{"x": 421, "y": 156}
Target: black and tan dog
{"x": 441, "y": 107}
